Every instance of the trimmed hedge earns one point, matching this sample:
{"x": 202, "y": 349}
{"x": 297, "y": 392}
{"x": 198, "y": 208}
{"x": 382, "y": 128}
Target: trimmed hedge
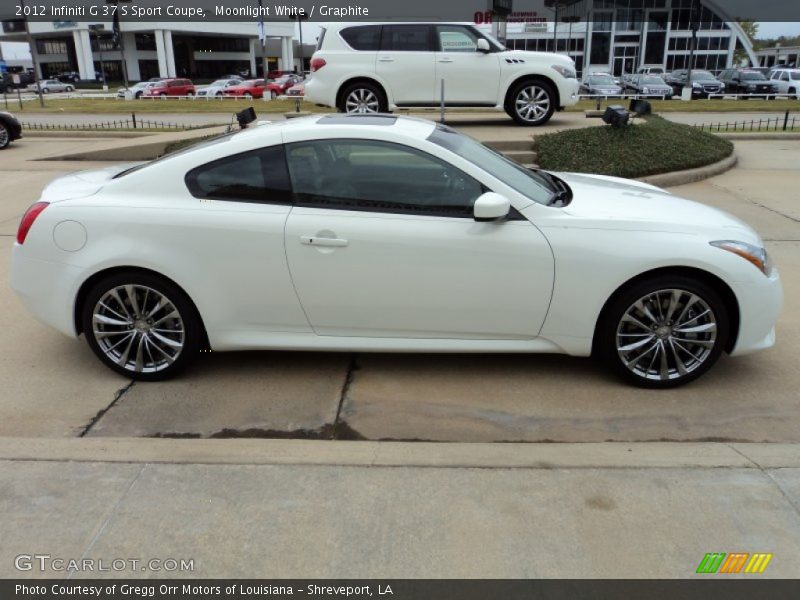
{"x": 647, "y": 148}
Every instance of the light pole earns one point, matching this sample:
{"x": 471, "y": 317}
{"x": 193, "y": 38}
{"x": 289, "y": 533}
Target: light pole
{"x": 33, "y": 56}
{"x": 97, "y": 28}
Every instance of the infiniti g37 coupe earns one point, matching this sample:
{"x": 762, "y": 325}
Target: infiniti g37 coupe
{"x": 380, "y": 233}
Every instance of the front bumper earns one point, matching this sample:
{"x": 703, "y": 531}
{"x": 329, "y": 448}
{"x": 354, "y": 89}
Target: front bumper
{"x": 760, "y": 304}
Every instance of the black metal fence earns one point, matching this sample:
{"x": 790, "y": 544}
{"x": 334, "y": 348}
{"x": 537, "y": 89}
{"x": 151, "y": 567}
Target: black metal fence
{"x": 133, "y": 122}
{"x": 786, "y": 122}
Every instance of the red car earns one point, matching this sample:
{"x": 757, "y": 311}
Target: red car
{"x": 283, "y": 83}
{"x": 252, "y": 88}
{"x": 171, "y": 87}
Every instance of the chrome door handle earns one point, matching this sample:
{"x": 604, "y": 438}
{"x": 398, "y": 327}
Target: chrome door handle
{"x": 445, "y": 60}
{"x": 310, "y": 240}
{"x": 385, "y": 59}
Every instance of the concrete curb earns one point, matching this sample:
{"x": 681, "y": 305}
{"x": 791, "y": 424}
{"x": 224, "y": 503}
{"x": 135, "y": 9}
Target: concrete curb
{"x": 690, "y": 175}
{"x": 406, "y": 454}
{"x": 94, "y": 135}
{"x": 758, "y": 136}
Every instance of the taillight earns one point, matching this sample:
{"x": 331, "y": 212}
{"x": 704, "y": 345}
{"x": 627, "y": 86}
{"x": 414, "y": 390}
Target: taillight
{"x": 317, "y": 64}
{"x": 27, "y": 220}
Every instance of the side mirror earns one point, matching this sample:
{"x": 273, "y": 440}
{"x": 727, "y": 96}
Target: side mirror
{"x": 491, "y": 207}
{"x": 483, "y": 45}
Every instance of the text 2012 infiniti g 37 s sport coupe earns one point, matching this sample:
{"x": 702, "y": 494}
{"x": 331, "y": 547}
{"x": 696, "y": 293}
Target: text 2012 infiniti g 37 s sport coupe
{"x": 380, "y": 233}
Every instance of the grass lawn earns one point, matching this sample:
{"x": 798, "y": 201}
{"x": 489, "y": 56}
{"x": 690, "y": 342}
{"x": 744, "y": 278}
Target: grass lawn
{"x": 115, "y": 106}
{"x": 649, "y": 147}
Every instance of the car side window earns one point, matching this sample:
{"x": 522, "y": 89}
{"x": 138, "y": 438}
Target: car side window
{"x": 456, "y": 39}
{"x": 406, "y": 38}
{"x": 375, "y": 176}
{"x": 364, "y": 37}
{"x": 255, "y": 176}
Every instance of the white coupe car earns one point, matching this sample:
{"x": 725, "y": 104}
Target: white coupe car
{"x": 380, "y": 233}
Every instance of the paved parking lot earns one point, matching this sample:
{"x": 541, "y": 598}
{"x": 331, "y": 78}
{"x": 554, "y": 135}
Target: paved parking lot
{"x": 54, "y": 387}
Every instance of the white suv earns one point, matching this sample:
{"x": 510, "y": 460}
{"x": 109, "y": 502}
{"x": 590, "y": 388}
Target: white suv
{"x": 379, "y": 67}
{"x": 786, "y": 80}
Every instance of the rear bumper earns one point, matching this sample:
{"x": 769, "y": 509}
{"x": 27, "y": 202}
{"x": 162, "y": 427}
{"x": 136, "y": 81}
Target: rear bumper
{"x": 47, "y": 289}
{"x": 760, "y": 304}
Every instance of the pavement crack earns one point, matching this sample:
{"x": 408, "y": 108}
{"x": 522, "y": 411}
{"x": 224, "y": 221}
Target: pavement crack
{"x": 340, "y": 427}
{"x": 769, "y": 476}
{"x": 120, "y": 393}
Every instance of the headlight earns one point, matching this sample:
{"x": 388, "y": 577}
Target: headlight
{"x": 566, "y": 72}
{"x": 646, "y": 90}
{"x": 695, "y": 84}
{"x": 752, "y": 254}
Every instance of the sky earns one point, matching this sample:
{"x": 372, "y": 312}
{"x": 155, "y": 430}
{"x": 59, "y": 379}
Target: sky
{"x": 765, "y": 30}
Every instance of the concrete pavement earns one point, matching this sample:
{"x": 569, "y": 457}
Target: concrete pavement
{"x": 563, "y": 512}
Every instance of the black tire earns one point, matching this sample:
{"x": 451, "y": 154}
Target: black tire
{"x": 365, "y": 91}
{"x": 137, "y": 95}
{"x": 5, "y": 136}
{"x": 69, "y": 89}
{"x": 188, "y": 321}
{"x": 533, "y": 90}
{"x": 611, "y": 326}
{"x": 273, "y": 94}
{"x": 46, "y": 91}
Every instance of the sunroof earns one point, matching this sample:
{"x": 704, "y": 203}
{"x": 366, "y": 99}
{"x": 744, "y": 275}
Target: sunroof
{"x": 358, "y": 119}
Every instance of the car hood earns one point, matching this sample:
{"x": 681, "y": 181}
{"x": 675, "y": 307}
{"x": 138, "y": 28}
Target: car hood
{"x": 615, "y": 203}
{"x": 81, "y": 183}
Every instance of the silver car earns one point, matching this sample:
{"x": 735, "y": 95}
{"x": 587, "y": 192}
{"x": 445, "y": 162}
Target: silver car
{"x": 53, "y": 85}
{"x": 136, "y": 90}
{"x": 600, "y": 85}
{"x": 217, "y": 87}
{"x": 787, "y": 81}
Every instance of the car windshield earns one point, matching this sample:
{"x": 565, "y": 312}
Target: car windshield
{"x": 752, "y": 76}
{"x": 601, "y": 80}
{"x": 527, "y": 182}
{"x": 652, "y": 79}
{"x": 702, "y": 76}
{"x": 209, "y": 142}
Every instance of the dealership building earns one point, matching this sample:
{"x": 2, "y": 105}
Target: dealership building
{"x": 152, "y": 49}
{"x": 622, "y": 35}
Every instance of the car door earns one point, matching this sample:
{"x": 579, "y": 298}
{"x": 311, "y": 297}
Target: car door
{"x": 405, "y": 63}
{"x": 470, "y": 76}
{"x": 381, "y": 242}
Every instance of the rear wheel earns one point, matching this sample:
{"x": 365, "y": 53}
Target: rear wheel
{"x": 141, "y": 325}
{"x": 531, "y": 103}
{"x": 663, "y": 332}
{"x": 362, "y": 98}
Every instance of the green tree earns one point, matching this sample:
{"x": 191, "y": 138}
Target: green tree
{"x": 750, "y": 29}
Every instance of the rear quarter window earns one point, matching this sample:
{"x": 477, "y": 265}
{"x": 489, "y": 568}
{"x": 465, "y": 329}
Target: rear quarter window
{"x": 365, "y": 37}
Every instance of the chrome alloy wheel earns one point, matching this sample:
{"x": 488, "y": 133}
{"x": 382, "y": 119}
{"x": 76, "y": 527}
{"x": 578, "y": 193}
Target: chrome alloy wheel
{"x": 361, "y": 100}
{"x": 666, "y": 334}
{"x": 138, "y": 328}
{"x": 5, "y": 136}
{"x": 532, "y": 103}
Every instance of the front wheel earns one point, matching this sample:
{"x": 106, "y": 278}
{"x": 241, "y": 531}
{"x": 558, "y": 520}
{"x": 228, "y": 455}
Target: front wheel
{"x": 362, "y": 98}
{"x": 663, "y": 332}
{"x": 5, "y": 136}
{"x": 141, "y": 326}
{"x": 531, "y": 103}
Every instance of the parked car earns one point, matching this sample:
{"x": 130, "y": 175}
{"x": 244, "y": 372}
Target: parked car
{"x": 69, "y": 77}
{"x": 252, "y": 88}
{"x": 137, "y": 90}
{"x": 787, "y": 81}
{"x": 299, "y": 89}
{"x": 281, "y": 84}
{"x": 762, "y": 70}
{"x": 747, "y": 81}
{"x": 53, "y": 85}
{"x": 3, "y": 84}
{"x": 369, "y": 68}
{"x": 218, "y": 87}
{"x": 703, "y": 83}
{"x": 393, "y": 234}
{"x": 654, "y": 70}
{"x": 170, "y": 87}
{"x": 275, "y": 73}
{"x": 600, "y": 85}
{"x": 651, "y": 86}
{"x": 10, "y": 129}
